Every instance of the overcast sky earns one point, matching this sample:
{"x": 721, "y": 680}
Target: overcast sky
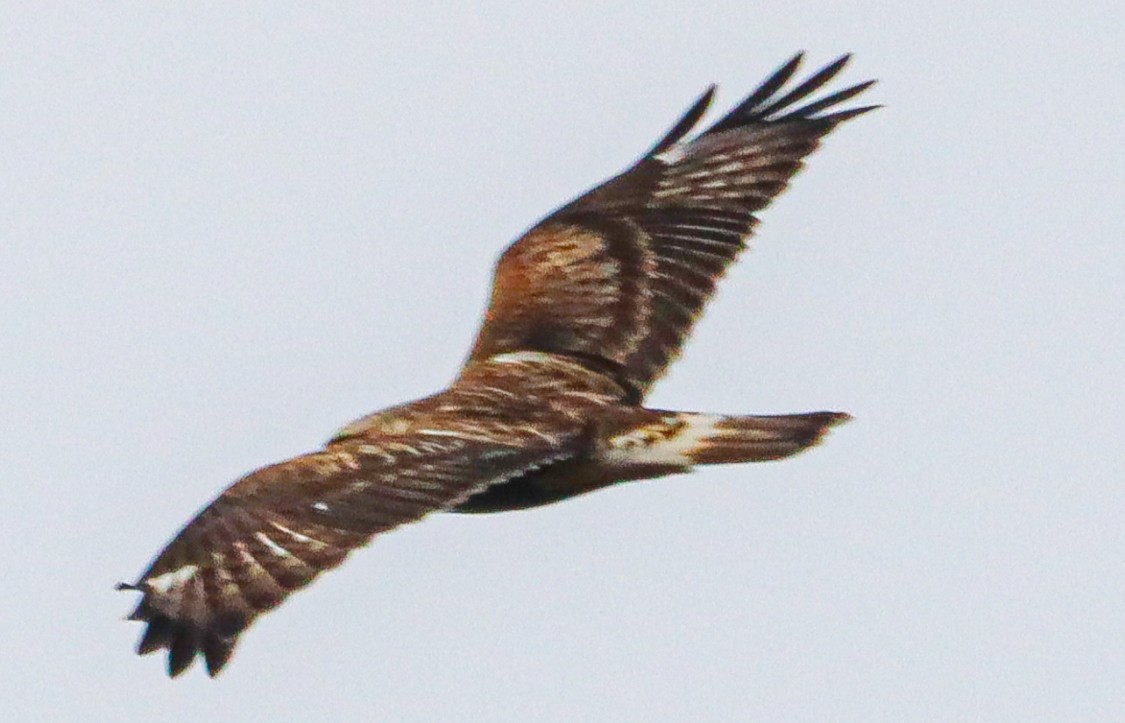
{"x": 224, "y": 233}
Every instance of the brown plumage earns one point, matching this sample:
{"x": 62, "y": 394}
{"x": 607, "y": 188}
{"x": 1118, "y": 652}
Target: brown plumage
{"x": 588, "y": 309}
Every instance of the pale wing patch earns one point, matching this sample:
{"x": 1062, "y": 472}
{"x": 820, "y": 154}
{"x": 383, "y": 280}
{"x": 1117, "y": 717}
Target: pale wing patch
{"x": 525, "y": 357}
{"x": 292, "y": 533}
{"x": 169, "y": 580}
{"x": 273, "y": 546}
{"x": 673, "y": 155}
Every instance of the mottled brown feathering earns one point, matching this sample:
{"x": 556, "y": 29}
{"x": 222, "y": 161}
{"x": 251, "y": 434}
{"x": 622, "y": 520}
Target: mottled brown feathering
{"x": 588, "y": 309}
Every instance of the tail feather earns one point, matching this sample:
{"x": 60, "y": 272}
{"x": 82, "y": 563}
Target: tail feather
{"x": 757, "y": 439}
{"x": 680, "y": 440}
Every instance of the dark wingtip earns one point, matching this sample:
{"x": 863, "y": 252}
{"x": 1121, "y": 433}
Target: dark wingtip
{"x": 162, "y": 632}
{"x": 182, "y": 650}
{"x": 789, "y": 67}
{"x": 841, "y": 116}
{"x": 216, "y": 652}
{"x": 158, "y": 634}
{"x": 181, "y": 641}
{"x": 838, "y": 64}
{"x": 684, "y": 125}
{"x": 765, "y": 106}
{"x": 184, "y": 641}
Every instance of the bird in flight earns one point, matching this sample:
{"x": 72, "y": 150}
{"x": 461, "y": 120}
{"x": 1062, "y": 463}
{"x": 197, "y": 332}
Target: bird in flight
{"x": 588, "y": 308}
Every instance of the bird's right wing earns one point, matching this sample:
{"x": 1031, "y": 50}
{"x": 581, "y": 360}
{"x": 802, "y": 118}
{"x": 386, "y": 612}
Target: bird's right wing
{"x": 277, "y": 528}
{"x": 620, "y": 275}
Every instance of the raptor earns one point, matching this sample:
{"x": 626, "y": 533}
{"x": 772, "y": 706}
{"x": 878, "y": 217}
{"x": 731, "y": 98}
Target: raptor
{"x": 588, "y": 309}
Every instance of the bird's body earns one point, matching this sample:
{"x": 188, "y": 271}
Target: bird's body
{"x": 588, "y": 309}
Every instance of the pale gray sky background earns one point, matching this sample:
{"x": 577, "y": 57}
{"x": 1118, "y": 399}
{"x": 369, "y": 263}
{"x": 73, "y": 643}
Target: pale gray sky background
{"x": 226, "y": 231}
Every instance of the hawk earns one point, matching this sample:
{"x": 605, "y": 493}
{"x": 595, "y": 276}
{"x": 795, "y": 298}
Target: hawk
{"x": 587, "y": 310}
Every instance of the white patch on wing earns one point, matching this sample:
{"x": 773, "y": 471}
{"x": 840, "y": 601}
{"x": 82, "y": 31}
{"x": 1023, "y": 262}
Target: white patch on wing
{"x": 274, "y": 547}
{"x": 292, "y": 533}
{"x": 670, "y": 442}
{"x": 167, "y": 581}
{"x": 521, "y": 357}
{"x": 441, "y": 433}
{"x": 321, "y": 506}
{"x": 459, "y": 436}
{"x": 673, "y": 155}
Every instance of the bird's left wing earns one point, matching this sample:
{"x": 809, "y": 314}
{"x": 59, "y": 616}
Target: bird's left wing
{"x": 276, "y": 529}
{"x": 619, "y": 276}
